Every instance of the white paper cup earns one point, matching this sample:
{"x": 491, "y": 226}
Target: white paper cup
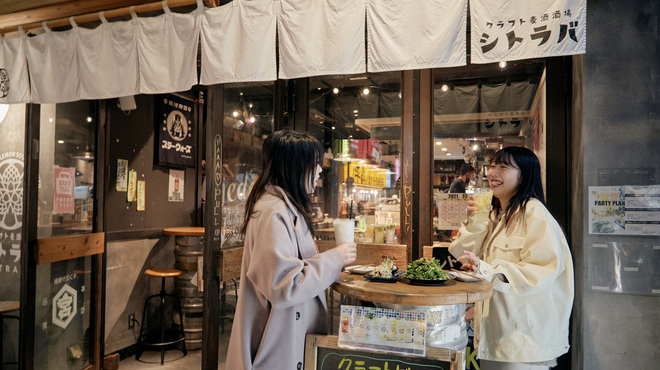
{"x": 344, "y": 230}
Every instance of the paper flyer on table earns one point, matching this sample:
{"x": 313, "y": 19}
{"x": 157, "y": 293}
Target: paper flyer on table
{"x": 382, "y": 330}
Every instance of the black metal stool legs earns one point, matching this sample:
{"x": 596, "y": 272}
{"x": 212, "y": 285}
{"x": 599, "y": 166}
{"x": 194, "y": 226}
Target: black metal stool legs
{"x": 165, "y": 337}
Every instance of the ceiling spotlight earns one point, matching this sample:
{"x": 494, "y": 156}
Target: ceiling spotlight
{"x": 503, "y": 64}
{"x": 448, "y": 153}
{"x": 333, "y": 127}
{"x": 444, "y": 87}
{"x": 235, "y": 114}
{"x": 60, "y": 141}
{"x": 444, "y": 149}
{"x": 252, "y": 119}
{"x": 438, "y": 143}
{"x": 355, "y": 111}
{"x": 89, "y": 119}
{"x": 335, "y": 91}
{"x": 475, "y": 147}
{"x": 365, "y": 91}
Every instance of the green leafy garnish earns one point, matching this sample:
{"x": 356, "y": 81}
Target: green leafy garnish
{"x": 426, "y": 269}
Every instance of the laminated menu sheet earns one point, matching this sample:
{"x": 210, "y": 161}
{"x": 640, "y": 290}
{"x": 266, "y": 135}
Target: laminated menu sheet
{"x": 382, "y": 330}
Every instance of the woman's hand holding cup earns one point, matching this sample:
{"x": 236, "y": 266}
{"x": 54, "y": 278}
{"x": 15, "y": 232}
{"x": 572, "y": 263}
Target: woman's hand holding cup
{"x": 348, "y": 250}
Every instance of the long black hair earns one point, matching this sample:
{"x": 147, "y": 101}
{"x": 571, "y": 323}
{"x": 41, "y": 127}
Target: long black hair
{"x": 530, "y": 179}
{"x": 288, "y": 161}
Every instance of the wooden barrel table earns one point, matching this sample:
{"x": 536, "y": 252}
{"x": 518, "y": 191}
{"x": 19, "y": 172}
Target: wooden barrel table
{"x": 444, "y": 305}
{"x": 189, "y": 246}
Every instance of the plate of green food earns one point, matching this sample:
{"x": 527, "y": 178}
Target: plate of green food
{"x": 426, "y": 271}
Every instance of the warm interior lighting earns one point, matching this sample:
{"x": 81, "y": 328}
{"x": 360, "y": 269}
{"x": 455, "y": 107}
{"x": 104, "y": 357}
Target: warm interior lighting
{"x": 89, "y": 119}
{"x": 236, "y": 113}
{"x": 365, "y": 91}
{"x": 60, "y": 141}
{"x": 444, "y": 149}
{"x": 444, "y": 88}
{"x": 335, "y": 91}
{"x": 438, "y": 143}
{"x": 503, "y": 64}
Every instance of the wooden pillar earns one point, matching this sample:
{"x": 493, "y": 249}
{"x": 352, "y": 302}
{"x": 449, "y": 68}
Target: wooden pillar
{"x": 29, "y": 237}
{"x": 213, "y": 226}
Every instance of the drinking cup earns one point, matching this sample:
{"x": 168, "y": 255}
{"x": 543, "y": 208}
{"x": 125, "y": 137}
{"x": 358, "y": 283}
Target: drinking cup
{"x": 344, "y": 230}
{"x": 484, "y": 198}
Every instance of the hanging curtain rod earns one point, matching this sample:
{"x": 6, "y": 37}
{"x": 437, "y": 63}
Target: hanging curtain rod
{"x": 113, "y": 13}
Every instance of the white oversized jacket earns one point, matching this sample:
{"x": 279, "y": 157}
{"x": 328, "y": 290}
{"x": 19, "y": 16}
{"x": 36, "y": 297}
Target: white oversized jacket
{"x": 530, "y": 266}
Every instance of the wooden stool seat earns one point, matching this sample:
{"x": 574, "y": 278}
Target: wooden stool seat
{"x": 9, "y": 306}
{"x": 163, "y": 272}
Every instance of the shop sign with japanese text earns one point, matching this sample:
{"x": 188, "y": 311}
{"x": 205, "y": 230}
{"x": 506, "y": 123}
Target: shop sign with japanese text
{"x": 522, "y": 29}
{"x": 175, "y": 141}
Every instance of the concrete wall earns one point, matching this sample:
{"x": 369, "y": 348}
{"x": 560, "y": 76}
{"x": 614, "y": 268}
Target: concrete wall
{"x": 616, "y": 127}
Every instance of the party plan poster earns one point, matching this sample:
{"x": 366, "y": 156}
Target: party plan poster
{"x": 629, "y": 210}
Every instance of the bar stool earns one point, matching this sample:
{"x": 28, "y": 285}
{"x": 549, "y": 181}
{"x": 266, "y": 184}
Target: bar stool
{"x": 164, "y": 338}
{"x": 6, "y": 306}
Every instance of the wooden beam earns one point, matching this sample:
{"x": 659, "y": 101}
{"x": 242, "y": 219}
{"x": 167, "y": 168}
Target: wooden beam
{"x": 13, "y": 6}
{"x": 57, "y": 15}
{"x": 63, "y": 248}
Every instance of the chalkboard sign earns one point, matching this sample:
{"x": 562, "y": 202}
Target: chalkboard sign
{"x": 322, "y": 353}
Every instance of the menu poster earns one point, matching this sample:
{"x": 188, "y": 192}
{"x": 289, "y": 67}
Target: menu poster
{"x": 122, "y": 172}
{"x": 175, "y": 190}
{"x": 452, "y": 210}
{"x": 624, "y": 210}
{"x": 132, "y": 186}
{"x": 382, "y": 329}
{"x": 141, "y": 192}
{"x": 63, "y": 197}
{"x": 643, "y": 210}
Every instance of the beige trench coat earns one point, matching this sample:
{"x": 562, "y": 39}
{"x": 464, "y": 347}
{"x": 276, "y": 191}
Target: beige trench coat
{"x": 282, "y": 289}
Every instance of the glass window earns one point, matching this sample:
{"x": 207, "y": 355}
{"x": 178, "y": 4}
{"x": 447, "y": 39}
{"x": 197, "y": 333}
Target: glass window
{"x": 476, "y": 114}
{"x": 66, "y": 168}
{"x": 66, "y": 193}
{"x": 358, "y": 120}
{"x": 248, "y": 119}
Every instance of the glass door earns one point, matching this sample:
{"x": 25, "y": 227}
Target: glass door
{"x": 63, "y": 320}
{"x": 12, "y": 164}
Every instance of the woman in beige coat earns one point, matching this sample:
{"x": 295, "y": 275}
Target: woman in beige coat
{"x": 283, "y": 277}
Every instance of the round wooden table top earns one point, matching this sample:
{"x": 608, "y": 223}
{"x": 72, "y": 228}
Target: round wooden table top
{"x": 8, "y": 306}
{"x": 400, "y": 293}
{"x": 184, "y": 231}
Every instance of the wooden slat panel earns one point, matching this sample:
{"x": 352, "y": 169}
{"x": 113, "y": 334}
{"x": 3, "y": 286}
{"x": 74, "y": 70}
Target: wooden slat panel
{"x": 63, "y": 248}
{"x": 61, "y": 12}
{"x": 13, "y": 6}
{"x": 373, "y": 254}
{"x": 229, "y": 263}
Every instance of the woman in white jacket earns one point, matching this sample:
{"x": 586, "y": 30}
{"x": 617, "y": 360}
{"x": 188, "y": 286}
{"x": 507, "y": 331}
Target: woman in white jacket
{"x": 523, "y": 252}
{"x": 283, "y": 277}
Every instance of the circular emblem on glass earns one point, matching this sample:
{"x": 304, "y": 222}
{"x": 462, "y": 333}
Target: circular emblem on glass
{"x": 177, "y": 125}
